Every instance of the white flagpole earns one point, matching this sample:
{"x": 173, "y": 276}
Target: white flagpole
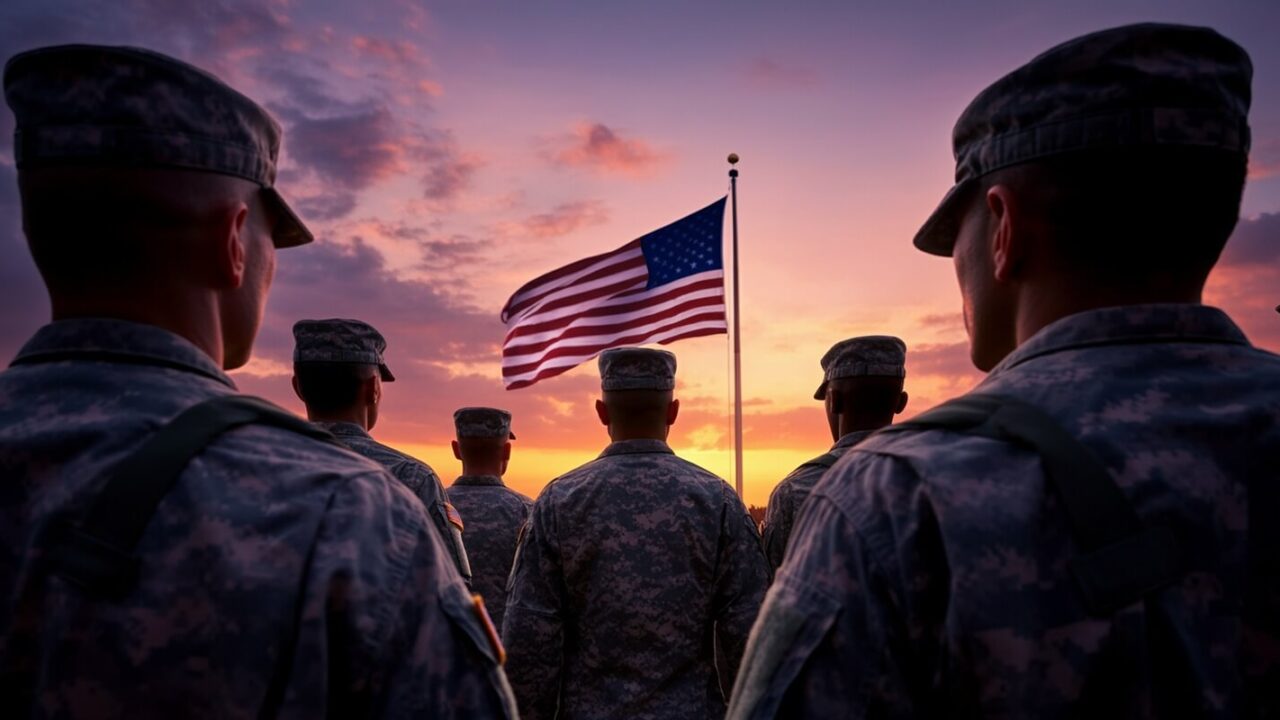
{"x": 737, "y": 341}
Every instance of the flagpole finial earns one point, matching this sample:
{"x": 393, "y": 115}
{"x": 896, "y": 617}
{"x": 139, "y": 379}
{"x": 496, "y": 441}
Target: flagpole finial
{"x": 733, "y": 158}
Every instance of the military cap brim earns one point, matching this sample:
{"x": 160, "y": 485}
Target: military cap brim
{"x": 937, "y": 236}
{"x": 289, "y": 230}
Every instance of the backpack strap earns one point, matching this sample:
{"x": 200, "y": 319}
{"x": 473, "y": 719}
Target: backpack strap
{"x": 1124, "y": 559}
{"x": 97, "y": 553}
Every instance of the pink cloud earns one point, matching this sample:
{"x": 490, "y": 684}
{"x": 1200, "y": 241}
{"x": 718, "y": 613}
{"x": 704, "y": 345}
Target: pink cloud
{"x": 563, "y": 219}
{"x": 1246, "y": 282}
{"x": 598, "y": 147}
{"x": 1264, "y": 160}
{"x": 766, "y": 73}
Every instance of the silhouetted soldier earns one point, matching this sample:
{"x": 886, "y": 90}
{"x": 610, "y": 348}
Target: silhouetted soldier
{"x": 338, "y": 371}
{"x": 1091, "y": 532}
{"x": 631, "y": 569}
{"x": 861, "y": 391}
{"x": 169, "y": 548}
{"x": 492, "y": 513}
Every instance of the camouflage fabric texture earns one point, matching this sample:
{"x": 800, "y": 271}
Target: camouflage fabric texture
{"x": 789, "y": 495}
{"x": 124, "y": 106}
{"x": 632, "y": 570}
{"x": 281, "y": 577}
{"x": 882, "y": 355}
{"x": 492, "y": 515}
{"x": 927, "y": 576}
{"x": 483, "y": 422}
{"x": 340, "y": 341}
{"x": 420, "y": 480}
{"x": 1149, "y": 84}
{"x": 633, "y": 368}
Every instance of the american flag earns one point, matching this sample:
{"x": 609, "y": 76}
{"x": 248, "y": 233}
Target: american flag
{"x": 663, "y": 287}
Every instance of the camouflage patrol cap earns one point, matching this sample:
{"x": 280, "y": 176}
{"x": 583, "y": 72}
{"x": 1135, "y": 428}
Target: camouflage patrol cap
{"x": 1152, "y": 85}
{"x": 634, "y": 368}
{"x": 128, "y": 107}
{"x": 483, "y": 422}
{"x": 881, "y": 355}
{"x": 340, "y": 341}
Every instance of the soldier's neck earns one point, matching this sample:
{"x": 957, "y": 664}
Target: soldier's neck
{"x": 618, "y": 434}
{"x": 354, "y": 415}
{"x": 1045, "y": 303}
{"x": 193, "y": 317}
{"x": 493, "y": 468}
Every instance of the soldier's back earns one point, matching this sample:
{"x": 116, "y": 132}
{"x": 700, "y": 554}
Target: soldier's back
{"x": 653, "y": 551}
{"x": 1185, "y": 416}
{"x": 276, "y": 578}
{"x": 492, "y": 515}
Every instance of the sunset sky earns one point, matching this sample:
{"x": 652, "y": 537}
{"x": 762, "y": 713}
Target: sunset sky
{"x": 445, "y": 153}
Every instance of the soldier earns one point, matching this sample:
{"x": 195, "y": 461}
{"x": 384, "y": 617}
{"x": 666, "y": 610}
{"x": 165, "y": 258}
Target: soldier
{"x": 338, "y": 371}
{"x": 493, "y": 513}
{"x": 273, "y": 574}
{"x": 861, "y": 391}
{"x": 1091, "y": 532}
{"x": 632, "y": 568}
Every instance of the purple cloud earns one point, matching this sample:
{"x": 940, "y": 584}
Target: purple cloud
{"x": 1256, "y": 241}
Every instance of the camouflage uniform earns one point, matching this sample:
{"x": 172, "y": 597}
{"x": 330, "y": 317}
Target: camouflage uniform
{"x": 491, "y": 512}
{"x": 788, "y": 497}
{"x": 492, "y": 515}
{"x": 278, "y": 569}
{"x": 929, "y": 571}
{"x": 280, "y": 576}
{"x": 631, "y": 569}
{"x": 868, "y": 355}
{"x": 421, "y": 480}
{"x": 353, "y": 341}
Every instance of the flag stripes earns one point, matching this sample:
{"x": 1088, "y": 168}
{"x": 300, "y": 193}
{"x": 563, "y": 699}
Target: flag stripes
{"x": 569, "y": 315}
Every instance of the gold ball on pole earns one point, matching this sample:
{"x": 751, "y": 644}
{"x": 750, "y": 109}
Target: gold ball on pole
{"x": 733, "y": 158}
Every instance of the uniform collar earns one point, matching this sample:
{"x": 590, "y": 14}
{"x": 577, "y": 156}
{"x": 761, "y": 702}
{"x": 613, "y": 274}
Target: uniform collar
{"x": 110, "y": 340}
{"x": 632, "y": 447}
{"x": 479, "y": 480}
{"x": 343, "y": 428}
{"x": 847, "y": 441}
{"x": 1128, "y": 325}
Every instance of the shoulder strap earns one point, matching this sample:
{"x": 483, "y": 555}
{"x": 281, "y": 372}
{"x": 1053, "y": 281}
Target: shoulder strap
{"x": 1123, "y": 559}
{"x": 824, "y": 460}
{"x": 96, "y": 554}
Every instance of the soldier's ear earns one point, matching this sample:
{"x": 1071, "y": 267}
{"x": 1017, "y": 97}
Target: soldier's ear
{"x": 457, "y": 450}
{"x": 673, "y": 410}
{"x": 373, "y": 390}
{"x": 902, "y": 403}
{"x": 232, "y": 245}
{"x": 602, "y": 412}
{"x": 297, "y": 389}
{"x": 1010, "y": 233}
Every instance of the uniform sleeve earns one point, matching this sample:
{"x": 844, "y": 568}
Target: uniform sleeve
{"x": 852, "y": 624}
{"x": 777, "y": 524}
{"x": 742, "y": 576}
{"x": 533, "y": 627}
{"x": 445, "y": 518}
{"x": 386, "y": 626}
